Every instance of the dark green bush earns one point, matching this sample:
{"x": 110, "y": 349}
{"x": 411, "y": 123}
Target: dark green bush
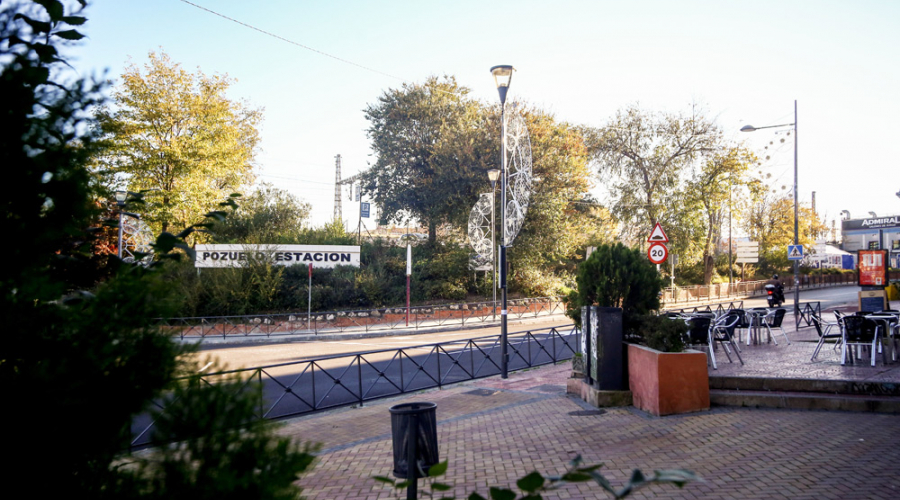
{"x": 662, "y": 333}
{"x": 616, "y": 276}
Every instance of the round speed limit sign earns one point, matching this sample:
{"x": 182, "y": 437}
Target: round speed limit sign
{"x": 657, "y": 253}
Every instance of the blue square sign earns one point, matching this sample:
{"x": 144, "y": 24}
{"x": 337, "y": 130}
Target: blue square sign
{"x": 795, "y": 252}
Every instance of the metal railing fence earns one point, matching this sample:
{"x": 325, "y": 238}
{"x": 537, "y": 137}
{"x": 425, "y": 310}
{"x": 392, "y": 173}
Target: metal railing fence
{"x": 719, "y": 291}
{"x": 368, "y": 320}
{"x": 802, "y": 320}
{"x": 301, "y": 387}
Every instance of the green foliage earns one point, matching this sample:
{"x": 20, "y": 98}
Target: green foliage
{"x": 534, "y": 485}
{"x": 268, "y": 215}
{"x": 616, "y": 276}
{"x": 430, "y": 143}
{"x": 87, "y": 361}
{"x": 561, "y": 220}
{"x": 646, "y": 156}
{"x": 176, "y": 133}
{"x": 662, "y": 333}
{"x": 223, "y": 450}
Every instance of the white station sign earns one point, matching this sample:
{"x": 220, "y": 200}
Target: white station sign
{"x": 319, "y": 256}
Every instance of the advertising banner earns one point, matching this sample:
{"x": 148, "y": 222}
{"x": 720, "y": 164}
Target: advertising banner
{"x": 873, "y": 268}
{"x": 319, "y": 256}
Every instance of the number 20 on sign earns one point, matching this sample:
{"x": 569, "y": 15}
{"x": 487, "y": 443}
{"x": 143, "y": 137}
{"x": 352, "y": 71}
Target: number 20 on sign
{"x": 657, "y": 253}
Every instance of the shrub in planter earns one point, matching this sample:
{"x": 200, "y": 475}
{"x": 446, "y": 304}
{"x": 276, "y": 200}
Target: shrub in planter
{"x": 616, "y": 276}
{"x": 661, "y": 333}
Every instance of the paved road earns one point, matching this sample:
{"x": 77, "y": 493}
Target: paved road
{"x": 251, "y": 354}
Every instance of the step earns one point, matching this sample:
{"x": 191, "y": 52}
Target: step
{"x": 805, "y": 400}
{"x": 798, "y": 385}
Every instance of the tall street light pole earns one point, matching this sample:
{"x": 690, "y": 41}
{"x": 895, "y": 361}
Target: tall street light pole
{"x": 751, "y": 128}
{"x": 502, "y": 78}
{"x": 493, "y": 175}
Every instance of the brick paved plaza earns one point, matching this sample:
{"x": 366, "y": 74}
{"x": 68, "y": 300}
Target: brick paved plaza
{"x": 494, "y": 431}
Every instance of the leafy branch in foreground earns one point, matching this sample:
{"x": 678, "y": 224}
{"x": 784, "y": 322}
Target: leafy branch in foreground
{"x": 534, "y": 484}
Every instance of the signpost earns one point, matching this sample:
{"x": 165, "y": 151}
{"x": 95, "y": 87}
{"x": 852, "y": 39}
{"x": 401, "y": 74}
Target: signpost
{"x": 309, "y": 301}
{"x": 657, "y": 235}
{"x": 747, "y": 252}
{"x": 657, "y": 252}
{"x": 795, "y": 252}
{"x": 408, "y": 275}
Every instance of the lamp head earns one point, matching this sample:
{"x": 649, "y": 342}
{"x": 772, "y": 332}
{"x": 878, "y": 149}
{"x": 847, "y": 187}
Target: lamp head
{"x": 121, "y": 196}
{"x": 748, "y": 128}
{"x": 502, "y": 78}
{"x": 493, "y": 176}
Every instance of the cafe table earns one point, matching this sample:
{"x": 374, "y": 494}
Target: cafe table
{"x": 887, "y": 321}
{"x": 755, "y": 320}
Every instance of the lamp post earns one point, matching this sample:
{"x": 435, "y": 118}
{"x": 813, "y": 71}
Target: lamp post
{"x": 751, "y": 128}
{"x": 121, "y": 196}
{"x": 493, "y": 175}
{"x": 502, "y": 78}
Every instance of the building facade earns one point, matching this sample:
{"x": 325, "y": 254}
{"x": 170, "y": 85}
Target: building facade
{"x": 871, "y": 234}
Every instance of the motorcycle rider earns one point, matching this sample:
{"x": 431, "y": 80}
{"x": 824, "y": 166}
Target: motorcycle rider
{"x": 779, "y": 288}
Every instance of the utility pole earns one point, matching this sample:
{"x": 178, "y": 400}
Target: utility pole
{"x": 337, "y": 188}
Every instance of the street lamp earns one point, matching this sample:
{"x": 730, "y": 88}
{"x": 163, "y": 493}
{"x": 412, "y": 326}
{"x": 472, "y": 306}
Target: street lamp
{"x": 751, "y": 128}
{"x": 502, "y": 78}
{"x": 121, "y": 196}
{"x": 845, "y": 214}
{"x": 493, "y": 175}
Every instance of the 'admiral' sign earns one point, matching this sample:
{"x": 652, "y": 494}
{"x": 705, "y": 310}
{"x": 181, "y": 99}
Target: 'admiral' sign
{"x": 871, "y": 223}
{"x": 320, "y": 256}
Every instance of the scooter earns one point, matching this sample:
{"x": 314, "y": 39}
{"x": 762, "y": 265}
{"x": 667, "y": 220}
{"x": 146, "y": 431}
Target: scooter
{"x": 774, "y": 295}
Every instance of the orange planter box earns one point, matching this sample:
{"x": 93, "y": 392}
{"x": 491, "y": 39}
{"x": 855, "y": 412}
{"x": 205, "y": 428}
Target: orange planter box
{"x": 667, "y": 383}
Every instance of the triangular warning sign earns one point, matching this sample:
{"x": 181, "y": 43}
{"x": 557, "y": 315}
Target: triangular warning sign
{"x": 795, "y": 252}
{"x": 658, "y": 235}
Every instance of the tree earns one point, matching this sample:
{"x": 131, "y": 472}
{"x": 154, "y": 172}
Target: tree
{"x": 712, "y": 188}
{"x": 647, "y": 157}
{"x": 432, "y": 153}
{"x": 770, "y": 221}
{"x": 176, "y": 134}
{"x": 561, "y": 219}
{"x": 268, "y": 215}
{"x": 90, "y": 361}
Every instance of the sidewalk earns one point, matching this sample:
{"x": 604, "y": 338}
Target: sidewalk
{"x": 494, "y": 431}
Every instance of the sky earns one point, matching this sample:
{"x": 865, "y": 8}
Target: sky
{"x": 320, "y": 64}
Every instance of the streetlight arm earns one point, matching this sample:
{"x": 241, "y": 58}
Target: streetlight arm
{"x": 751, "y": 128}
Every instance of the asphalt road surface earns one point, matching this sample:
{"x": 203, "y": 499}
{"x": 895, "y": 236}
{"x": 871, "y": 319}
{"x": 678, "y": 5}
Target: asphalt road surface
{"x": 252, "y": 354}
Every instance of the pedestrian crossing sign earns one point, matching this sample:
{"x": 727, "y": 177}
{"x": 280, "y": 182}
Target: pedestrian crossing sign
{"x": 795, "y": 252}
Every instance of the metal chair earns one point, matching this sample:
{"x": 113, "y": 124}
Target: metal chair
{"x": 860, "y": 332}
{"x": 817, "y": 323}
{"x": 699, "y": 335}
{"x": 742, "y": 324}
{"x": 723, "y": 331}
{"x": 773, "y": 320}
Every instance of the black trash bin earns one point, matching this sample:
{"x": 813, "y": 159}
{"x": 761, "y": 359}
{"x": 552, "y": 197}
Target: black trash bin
{"x": 419, "y": 420}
